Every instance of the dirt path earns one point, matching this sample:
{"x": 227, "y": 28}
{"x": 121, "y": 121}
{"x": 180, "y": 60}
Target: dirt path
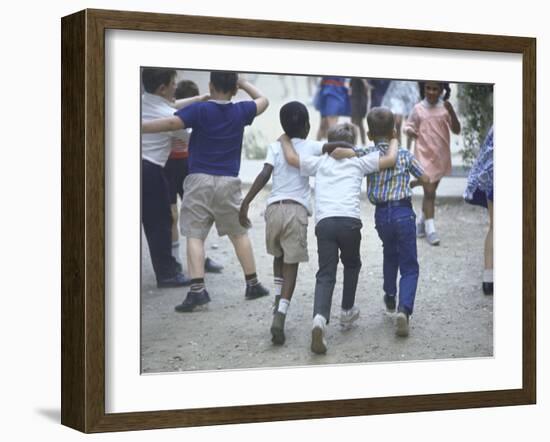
{"x": 452, "y": 318}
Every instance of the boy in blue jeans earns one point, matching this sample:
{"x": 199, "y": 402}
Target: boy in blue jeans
{"x": 390, "y": 192}
{"x": 338, "y": 222}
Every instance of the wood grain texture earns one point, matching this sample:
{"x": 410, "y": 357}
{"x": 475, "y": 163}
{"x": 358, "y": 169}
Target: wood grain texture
{"x": 73, "y": 210}
{"x": 83, "y": 220}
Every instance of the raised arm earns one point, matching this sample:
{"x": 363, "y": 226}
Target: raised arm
{"x": 291, "y": 156}
{"x": 258, "y": 184}
{"x": 388, "y": 160}
{"x": 261, "y": 101}
{"x": 455, "y": 124}
{"x": 167, "y": 124}
{"x": 183, "y": 102}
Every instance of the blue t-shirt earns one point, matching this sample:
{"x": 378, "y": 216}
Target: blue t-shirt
{"x": 217, "y": 136}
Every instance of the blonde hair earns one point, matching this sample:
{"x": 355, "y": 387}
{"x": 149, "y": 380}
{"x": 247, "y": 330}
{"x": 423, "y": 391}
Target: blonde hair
{"x": 343, "y": 132}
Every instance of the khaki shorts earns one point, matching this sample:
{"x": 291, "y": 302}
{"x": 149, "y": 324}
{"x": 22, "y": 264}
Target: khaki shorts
{"x": 208, "y": 199}
{"x": 286, "y": 232}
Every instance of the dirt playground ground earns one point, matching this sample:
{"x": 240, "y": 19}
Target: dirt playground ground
{"x": 452, "y": 318}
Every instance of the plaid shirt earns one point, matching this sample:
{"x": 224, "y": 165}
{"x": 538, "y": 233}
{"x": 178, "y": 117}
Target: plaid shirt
{"x": 392, "y": 184}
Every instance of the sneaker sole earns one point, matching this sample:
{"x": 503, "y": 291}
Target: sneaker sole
{"x": 402, "y": 326}
{"x": 317, "y": 344}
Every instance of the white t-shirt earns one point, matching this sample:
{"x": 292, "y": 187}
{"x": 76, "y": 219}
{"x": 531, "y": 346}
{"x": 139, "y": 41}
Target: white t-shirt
{"x": 288, "y": 183}
{"x": 156, "y": 147}
{"x": 338, "y": 183}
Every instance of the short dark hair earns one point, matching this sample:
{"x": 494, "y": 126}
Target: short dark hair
{"x": 224, "y": 81}
{"x": 294, "y": 119}
{"x": 343, "y": 132}
{"x": 381, "y": 121}
{"x": 153, "y": 78}
{"x": 186, "y": 89}
{"x": 444, "y": 85}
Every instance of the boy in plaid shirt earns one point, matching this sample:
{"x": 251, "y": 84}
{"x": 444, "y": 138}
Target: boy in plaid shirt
{"x": 390, "y": 192}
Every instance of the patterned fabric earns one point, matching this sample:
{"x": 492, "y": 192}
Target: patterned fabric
{"x": 392, "y": 184}
{"x": 481, "y": 174}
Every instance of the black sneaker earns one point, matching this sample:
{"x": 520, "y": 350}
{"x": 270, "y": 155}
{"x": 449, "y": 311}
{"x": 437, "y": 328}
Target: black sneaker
{"x": 255, "y": 291}
{"x": 211, "y": 266}
{"x": 278, "y": 328}
{"x": 193, "y": 300}
{"x": 487, "y": 288}
{"x": 389, "y": 300}
{"x": 179, "y": 280}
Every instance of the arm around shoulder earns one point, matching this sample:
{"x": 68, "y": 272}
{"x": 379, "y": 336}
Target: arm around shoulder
{"x": 167, "y": 124}
{"x": 291, "y": 156}
{"x": 389, "y": 159}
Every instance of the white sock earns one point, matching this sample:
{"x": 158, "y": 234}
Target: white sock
{"x": 176, "y": 251}
{"x": 278, "y": 282}
{"x": 488, "y": 275}
{"x": 320, "y": 318}
{"x": 283, "y": 306}
{"x": 420, "y": 219}
{"x": 430, "y": 226}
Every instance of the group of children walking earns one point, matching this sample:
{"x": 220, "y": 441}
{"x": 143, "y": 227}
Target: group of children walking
{"x": 212, "y": 194}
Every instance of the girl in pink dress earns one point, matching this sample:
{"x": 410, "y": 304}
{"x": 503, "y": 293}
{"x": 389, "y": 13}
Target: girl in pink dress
{"x": 430, "y": 124}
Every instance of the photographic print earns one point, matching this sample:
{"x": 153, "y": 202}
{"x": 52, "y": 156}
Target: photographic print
{"x": 345, "y": 257}
{"x": 296, "y": 247}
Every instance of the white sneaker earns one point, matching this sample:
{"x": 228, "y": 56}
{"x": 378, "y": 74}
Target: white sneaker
{"x": 348, "y": 317}
{"x": 402, "y": 324}
{"x": 318, "y": 341}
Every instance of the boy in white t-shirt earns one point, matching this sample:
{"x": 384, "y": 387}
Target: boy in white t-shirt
{"x": 288, "y": 208}
{"x": 338, "y": 222}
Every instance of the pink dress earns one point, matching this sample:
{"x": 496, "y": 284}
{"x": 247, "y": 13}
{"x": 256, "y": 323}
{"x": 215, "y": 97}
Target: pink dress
{"x": 432, "y": 149}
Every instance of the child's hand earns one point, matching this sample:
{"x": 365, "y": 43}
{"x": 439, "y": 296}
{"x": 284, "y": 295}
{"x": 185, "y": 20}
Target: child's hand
{"x": 243, "y": 216}
{"x": 342, "y": 152}
{"x": 204, "y": 97}
{"x": 241, "y": 81}
{"x": 412, "y": 133}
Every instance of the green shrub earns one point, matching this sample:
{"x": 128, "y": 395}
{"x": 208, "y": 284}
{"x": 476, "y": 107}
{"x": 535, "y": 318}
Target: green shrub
{"x": 475, "y": 105}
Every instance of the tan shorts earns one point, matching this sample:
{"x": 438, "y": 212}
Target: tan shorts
{"x": 208, "y": 199}
{"x": 286, "y": 232}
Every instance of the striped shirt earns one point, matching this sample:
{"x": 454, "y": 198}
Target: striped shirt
{"x": 392, "y": 184}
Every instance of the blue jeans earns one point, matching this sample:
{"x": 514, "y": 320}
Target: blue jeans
{"x": 396, "y": 228}
{"x": 337, "y": 234}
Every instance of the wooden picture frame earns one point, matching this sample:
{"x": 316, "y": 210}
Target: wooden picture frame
{"x": 83, "y": 220}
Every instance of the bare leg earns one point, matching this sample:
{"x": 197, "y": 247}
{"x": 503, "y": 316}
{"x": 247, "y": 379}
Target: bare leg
{"x": 428, "y": 202}
{"x": 322, "y": 132}
{"x": 489, "y": 240}
{"x": 290, "y": 272}
{"x": 278, "y": 267}
{"x": 195, "y": 257}
{"x": 243, "y": 250}
{"x": 326, "y": 124}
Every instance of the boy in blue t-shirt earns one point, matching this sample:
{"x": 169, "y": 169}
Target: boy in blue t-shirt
{"x": 212, "y": 189}
{"x": 390, "y": 192}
